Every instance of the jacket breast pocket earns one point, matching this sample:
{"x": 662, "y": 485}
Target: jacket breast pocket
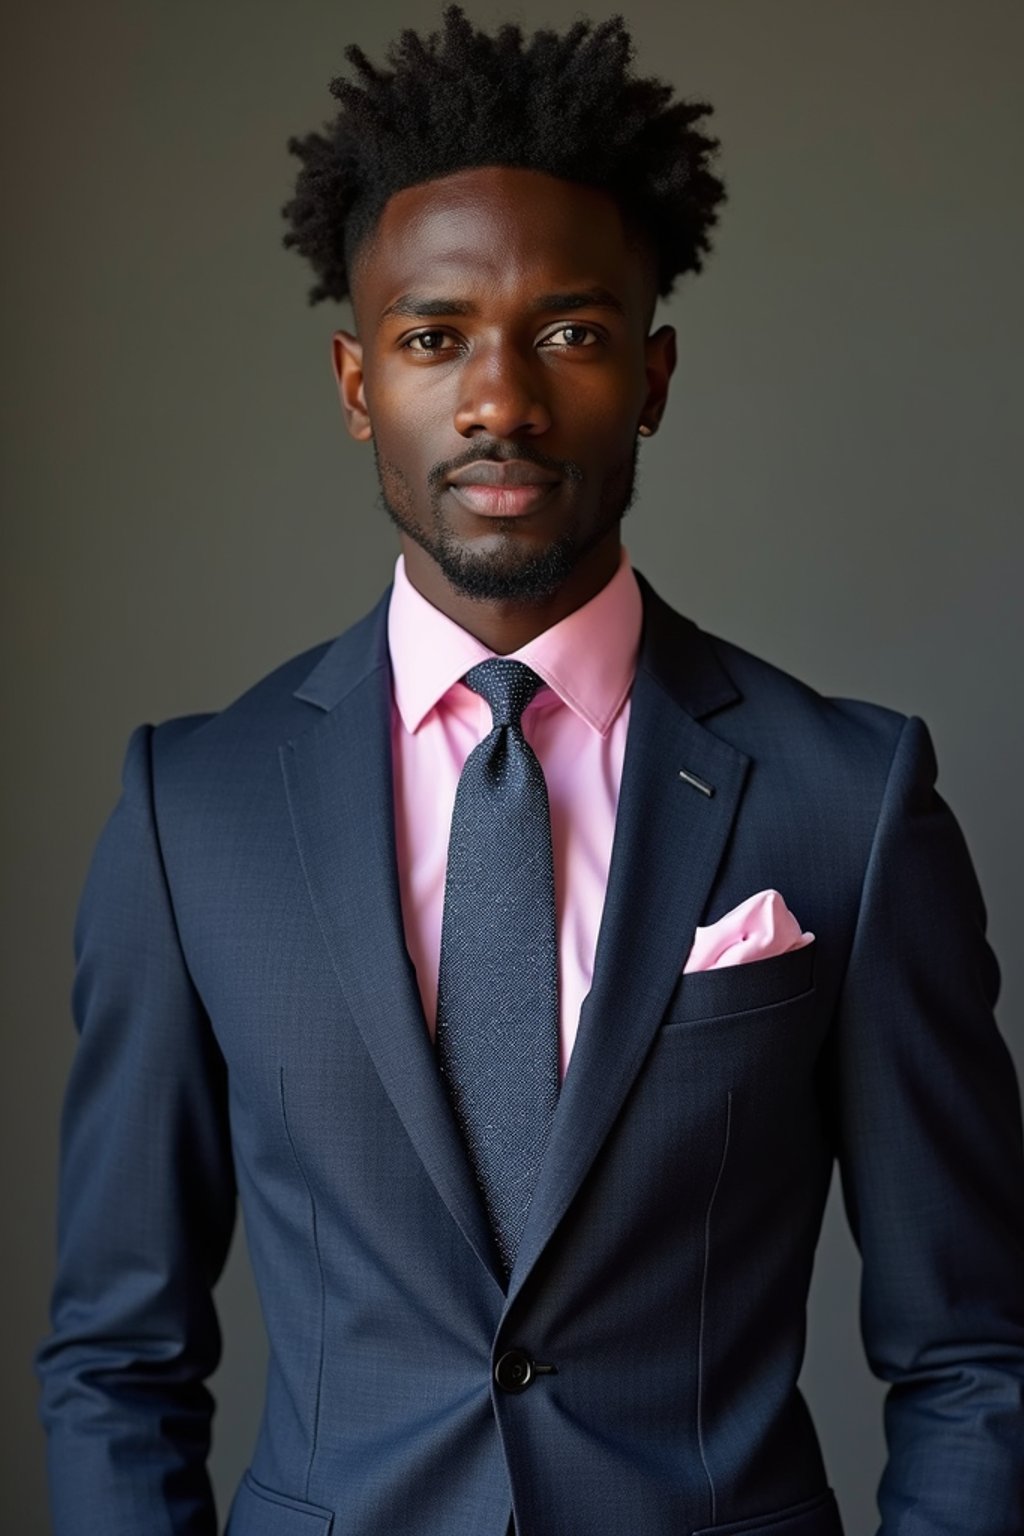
{"x": 259, "y": 1511}
{"x": 742, "y": 988}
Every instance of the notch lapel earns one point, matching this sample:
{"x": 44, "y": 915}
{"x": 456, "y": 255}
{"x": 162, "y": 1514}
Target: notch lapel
{"x": 338, "y": 782}
{"x": 668, "y": 843}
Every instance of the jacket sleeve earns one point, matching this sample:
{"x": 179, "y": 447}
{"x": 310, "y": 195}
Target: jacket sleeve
{"x": 928, "y": 1116}
{"x": 146, "y": 1206}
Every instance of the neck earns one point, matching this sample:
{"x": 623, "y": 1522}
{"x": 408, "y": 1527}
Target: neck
{"x": 506, "y": 626}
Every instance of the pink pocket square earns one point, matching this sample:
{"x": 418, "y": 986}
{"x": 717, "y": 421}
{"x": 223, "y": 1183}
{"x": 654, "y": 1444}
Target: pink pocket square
{"x": 759, "y": 927}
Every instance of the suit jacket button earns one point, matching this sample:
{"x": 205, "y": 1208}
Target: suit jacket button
{"x": 514, "y": 1371}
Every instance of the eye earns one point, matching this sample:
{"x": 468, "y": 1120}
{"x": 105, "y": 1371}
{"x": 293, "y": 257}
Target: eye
{"x": 431, "y": 341}
{"x": 574, "y": 335}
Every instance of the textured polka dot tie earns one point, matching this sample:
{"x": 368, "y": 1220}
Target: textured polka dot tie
{"x": 497, "y": 1004}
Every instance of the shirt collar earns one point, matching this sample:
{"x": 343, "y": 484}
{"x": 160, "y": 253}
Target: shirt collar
{"x": 588, "y": 658}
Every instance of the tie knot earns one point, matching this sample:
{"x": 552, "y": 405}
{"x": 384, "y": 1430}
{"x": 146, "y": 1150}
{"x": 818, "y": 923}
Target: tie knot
{"x": 508, "y": 686}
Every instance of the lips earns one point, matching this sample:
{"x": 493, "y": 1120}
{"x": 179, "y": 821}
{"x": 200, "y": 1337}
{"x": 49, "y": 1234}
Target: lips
{"x": 503, "y": 500}
{"x": 502, "y": 490}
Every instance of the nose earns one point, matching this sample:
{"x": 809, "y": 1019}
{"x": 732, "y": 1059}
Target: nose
{"x": 501, "y": 394}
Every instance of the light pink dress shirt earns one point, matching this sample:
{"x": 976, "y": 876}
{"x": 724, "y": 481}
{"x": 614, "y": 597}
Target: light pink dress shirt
{"x": 577, "y": 727}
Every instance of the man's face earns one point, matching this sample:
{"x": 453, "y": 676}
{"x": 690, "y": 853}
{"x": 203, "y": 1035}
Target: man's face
{"x": 501, "y": 319}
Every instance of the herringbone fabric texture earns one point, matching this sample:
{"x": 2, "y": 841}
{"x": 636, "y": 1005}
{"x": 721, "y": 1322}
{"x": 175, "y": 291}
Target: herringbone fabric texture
{"x": 497, "y": 1007}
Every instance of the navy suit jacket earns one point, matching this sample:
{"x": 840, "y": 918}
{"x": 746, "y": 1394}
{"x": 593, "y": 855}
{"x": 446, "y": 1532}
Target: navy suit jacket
{"x": 250, "y": 1021}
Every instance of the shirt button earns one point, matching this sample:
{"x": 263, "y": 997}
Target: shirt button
{"x": 514, "y": 1372}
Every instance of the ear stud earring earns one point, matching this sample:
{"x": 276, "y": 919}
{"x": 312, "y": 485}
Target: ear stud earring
{"x": 644, "y": 430}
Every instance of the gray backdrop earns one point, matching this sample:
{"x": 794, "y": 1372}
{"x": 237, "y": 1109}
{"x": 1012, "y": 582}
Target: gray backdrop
{"x": 835, "y": 488}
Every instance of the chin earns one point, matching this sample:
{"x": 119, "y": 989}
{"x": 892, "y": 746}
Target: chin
{"x": 507, "y": 562}
{"x": 505, "y": 574}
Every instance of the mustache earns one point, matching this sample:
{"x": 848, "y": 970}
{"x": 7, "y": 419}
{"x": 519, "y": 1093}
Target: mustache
{"x": 497, "y": 452}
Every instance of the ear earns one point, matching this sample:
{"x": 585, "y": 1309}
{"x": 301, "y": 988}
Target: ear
{"x": 347, "y": 362}
{"x": 659, "y": 365}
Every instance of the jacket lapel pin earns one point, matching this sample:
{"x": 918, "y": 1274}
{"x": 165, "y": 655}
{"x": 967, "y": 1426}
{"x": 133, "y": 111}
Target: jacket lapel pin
{"x": 701, "y": 784}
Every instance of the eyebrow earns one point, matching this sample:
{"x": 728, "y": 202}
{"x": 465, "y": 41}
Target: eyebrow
{"x": 419, "y": 307}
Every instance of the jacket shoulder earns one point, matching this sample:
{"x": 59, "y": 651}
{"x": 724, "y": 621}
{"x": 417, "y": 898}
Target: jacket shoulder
{"x": 266, "y": 698}
{"x": 758, "y": 706}
{"x": 276, "y": 706}
{"x": 769, "y": 689}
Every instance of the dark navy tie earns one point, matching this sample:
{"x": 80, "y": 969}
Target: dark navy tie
{"x": 497, "y": 1003}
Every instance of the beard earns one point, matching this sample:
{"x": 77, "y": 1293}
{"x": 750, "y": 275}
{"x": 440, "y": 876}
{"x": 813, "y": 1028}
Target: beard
{"x": 506, "y": 572}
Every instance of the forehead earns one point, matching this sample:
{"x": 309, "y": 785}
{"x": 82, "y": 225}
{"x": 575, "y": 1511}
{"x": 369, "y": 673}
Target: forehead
{"x": 497, "y": 231}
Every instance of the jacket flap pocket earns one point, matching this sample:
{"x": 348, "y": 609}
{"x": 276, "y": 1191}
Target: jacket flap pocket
{"x": 259, "y": 1511}
{"x": 737, "y": 988}
{"x": 813, "y": 1517}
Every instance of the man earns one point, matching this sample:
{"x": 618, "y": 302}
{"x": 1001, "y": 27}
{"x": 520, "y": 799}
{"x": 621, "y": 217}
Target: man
{"x": 525, "y": 956}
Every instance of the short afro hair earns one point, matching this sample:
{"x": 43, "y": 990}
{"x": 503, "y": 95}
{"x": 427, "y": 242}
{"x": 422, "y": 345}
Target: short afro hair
{"x": 565, "y": 105}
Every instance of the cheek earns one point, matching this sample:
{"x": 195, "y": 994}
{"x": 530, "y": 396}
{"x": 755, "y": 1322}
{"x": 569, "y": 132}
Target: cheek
{"x": 606, "y": 437}
{"x": 602, "y": 408}
{"x": 412, "y": 426}
{"x": 405, "y": 398}
{"x": 403, "y": 463}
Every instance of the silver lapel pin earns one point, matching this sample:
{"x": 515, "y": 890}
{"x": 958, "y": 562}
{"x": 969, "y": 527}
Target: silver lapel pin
{"x": 691, "y": 778}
